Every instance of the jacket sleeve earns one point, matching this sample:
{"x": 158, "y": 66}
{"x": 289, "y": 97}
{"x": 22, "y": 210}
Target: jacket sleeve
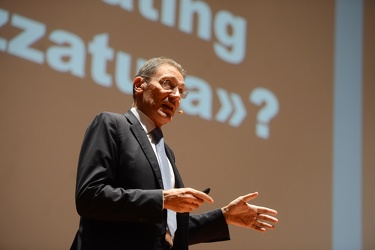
{"x": 97, "y": 194}
{"x": 208, "y": 227}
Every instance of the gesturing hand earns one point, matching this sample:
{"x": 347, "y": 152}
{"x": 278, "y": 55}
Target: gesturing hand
{"x": 184, "y": 200}
{"x": 242, "y": 214}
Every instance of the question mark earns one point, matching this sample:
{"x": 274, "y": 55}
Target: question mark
{"x": 259, "y": 96}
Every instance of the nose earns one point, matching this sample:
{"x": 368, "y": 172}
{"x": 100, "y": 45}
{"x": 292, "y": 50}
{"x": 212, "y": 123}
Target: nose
{"x": 175, "y": 93}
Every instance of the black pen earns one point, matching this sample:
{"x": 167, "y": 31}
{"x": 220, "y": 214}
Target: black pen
{"x": 206, "y": 191}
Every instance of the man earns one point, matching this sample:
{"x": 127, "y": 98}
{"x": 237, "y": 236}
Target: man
{"x": 129, "y": 195}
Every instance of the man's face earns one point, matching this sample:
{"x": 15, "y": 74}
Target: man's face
{"x": 155, "y": 100}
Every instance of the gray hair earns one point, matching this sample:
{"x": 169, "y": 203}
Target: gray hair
{"x": 150, "y": 67}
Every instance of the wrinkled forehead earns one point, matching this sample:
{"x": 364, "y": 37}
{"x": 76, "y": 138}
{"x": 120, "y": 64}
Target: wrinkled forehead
{"x": 167, "y": 71}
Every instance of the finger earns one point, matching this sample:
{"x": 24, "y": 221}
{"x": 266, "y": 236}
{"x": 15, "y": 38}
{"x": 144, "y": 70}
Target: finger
{"x": 200, "y": 195}
{"x": 186, "y": 206}
{"x": 249, "y": 197}
{"x": 261, "y": 226}
{"x": 204, "y": 196}
{"x": 260, "y": 229}
{"x": 268, "y": 218}
{"x": 266, "y": 210}
{"x": 193, "y": 206}
{"x": 264, "y": 224}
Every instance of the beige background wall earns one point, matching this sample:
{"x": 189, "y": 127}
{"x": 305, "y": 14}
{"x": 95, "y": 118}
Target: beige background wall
{"x": 288, "y": 50}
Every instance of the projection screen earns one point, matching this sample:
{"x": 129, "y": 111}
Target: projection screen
{"x": 281, "y": 101}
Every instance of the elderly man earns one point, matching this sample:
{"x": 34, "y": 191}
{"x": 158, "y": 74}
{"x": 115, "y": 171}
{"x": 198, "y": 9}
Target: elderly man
{"x": 129, "y": 192}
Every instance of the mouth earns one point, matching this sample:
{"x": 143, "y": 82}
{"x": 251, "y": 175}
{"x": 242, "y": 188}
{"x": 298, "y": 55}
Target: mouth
{"x": 168, "y": 107}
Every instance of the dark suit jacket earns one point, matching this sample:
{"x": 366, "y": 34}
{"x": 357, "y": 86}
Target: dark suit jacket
{"x": 119, "y": 192}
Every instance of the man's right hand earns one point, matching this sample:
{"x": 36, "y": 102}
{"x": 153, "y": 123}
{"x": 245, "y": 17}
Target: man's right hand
{"x": 184, "y": 200}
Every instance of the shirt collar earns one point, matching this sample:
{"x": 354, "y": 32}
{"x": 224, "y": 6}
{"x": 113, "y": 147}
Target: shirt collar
{"x": 146, "y": 123}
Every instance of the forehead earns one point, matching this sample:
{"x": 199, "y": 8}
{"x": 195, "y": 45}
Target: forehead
{"x": 169, "y": 72}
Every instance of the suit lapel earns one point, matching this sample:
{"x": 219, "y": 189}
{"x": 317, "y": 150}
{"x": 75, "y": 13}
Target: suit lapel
{"x": 144, "y": 143}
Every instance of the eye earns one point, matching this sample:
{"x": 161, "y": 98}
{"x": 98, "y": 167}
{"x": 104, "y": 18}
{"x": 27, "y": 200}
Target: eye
{"x": 167, "y": 84}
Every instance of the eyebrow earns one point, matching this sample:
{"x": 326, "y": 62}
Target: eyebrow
{"x": 172, "y": 78}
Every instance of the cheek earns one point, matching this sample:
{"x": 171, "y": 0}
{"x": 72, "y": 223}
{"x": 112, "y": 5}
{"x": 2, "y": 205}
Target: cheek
{"x": 150, "y": 97}
{"x": 157, "y": 95}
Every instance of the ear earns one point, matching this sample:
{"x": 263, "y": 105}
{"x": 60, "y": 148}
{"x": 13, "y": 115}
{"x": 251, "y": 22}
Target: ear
{"x": 137, "y": 84}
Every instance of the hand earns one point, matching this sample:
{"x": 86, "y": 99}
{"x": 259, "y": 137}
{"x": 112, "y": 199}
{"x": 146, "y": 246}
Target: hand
{"x": 242, "y": 214}
{"x": 184, "y": 200}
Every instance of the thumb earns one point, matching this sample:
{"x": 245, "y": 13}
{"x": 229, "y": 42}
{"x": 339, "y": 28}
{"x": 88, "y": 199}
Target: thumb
{"x": 249, "y": 196}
